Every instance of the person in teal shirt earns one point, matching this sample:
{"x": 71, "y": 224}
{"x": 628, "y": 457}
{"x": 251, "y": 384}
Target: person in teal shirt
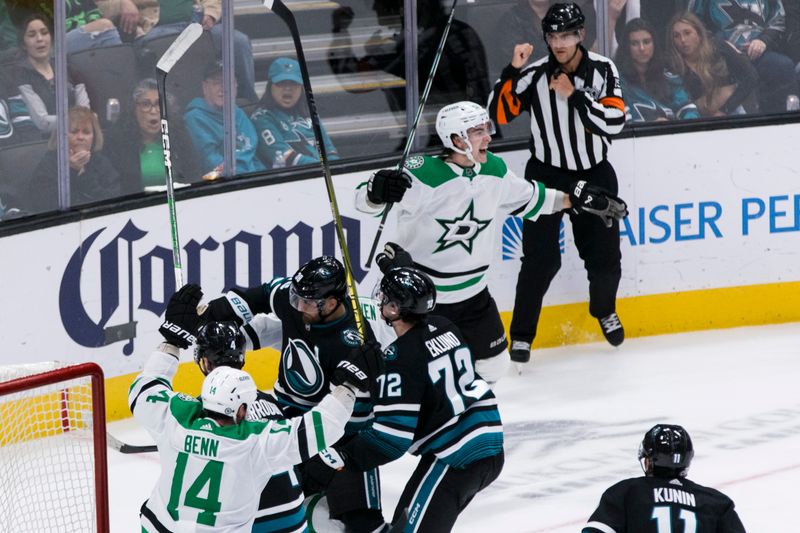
{"x": 286, "y": 137}
{"x": 204, "y": 121}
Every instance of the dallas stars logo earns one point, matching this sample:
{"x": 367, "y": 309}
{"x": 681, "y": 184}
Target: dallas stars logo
{"x": 461, "y": 230}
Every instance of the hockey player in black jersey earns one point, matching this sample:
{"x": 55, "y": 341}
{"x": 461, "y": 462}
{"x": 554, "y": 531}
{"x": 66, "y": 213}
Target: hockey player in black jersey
{"x": 430, "y": 403}
{"x": 280, "y": 507}
{"x": 664, "y": 500}
{"x": 319, "y": 332}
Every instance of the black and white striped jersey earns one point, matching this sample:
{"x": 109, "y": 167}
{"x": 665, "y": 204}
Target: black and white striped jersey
{"x": 572, "y": 133}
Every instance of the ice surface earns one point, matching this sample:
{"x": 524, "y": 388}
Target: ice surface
{"x": 574, "y": 418}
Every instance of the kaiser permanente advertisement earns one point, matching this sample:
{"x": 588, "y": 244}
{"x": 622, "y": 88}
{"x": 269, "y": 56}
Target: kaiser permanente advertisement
{"x": 712, "y": 240}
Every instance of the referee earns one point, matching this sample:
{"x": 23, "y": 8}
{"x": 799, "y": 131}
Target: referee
{"x": 576, "y": 106}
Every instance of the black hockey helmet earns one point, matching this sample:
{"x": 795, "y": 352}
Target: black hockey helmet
{"x": 322, "y": 277}
{"x": 669, "y": 450}
{"x": 411, "y": 291}
{"x": 563, "y": 17}
{"x": 221, "y": 343}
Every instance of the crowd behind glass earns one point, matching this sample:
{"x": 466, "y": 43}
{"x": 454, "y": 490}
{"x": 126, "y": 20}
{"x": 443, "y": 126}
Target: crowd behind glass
{"x": 677, "y": 59}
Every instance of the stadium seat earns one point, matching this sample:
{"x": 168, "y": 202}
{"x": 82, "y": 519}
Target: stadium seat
{"x": 185, "y": 79}
{"x": 108, "y": 72}
{"x": 17, "y": 164}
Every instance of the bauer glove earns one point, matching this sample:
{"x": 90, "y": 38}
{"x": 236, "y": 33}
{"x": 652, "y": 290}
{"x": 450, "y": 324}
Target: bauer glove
{"x": 387, "y": 186}
{"x": 181, "y": 318}
{"x": 393, "y": 256}
{"x": 586, "y": 198}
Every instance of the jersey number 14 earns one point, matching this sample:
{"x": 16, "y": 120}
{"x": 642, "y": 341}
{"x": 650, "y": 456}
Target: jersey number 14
{"x": 209, "y": 506}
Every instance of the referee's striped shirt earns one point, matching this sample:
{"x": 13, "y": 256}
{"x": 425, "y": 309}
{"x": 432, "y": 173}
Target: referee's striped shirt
{"x": 571, "y": 133}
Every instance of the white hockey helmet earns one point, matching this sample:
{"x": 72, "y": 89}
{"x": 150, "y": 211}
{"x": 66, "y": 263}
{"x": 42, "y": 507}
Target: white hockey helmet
{"x": 456, "y": 119}
{"x": 225, "y": 389}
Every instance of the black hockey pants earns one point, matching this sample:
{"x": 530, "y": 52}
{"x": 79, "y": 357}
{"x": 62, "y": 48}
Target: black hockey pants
{"x": 597, "y": 245}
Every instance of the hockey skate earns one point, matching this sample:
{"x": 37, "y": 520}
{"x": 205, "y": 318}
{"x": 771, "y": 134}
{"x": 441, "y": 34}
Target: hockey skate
{"x": 612, "y": 329}
{"x": 520, "y": 351}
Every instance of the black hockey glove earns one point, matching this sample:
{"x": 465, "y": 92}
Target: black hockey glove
{"x": 318, "y": 471}
{"x": 387, "y": 186}
{"x": 362, "y": 368}
{"x": 586, "y": 198}
{"x": 181, "y": 318}
{"x": 393, "y": 256}
{"x": 233, "y": 307}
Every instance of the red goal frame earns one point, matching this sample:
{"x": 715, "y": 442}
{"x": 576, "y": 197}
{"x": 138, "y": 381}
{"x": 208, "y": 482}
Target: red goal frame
{"x": 93, "y": 371}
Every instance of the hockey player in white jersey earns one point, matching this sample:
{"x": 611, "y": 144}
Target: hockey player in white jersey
{"x": 214, "y": 462}
{"x": 448, "y": 208}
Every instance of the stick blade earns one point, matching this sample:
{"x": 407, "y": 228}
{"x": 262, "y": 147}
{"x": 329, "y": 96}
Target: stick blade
{"x": 187, "y": 38}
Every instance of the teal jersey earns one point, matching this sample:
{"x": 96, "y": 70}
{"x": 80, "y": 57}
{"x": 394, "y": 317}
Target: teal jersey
{"x": 430, "y": 402}
{"x": 288, "y": 140}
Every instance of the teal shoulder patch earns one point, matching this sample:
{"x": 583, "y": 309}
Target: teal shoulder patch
{"x": 431, "y": 171}
{"x": 494, "y": 166}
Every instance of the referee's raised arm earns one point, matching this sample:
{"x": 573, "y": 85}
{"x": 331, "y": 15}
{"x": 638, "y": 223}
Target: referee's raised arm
{"x": 509, "y": 98}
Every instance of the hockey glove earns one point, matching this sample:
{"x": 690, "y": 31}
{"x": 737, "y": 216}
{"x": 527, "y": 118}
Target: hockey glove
{"x": 233, "y": 307}
{"x": 362, "y": 369}
{"x": 586, "y": 198}
{"x": 181, "y": 319}
{"x": 318, "y": 471}
{"x": 387, "y": 186}
{"x": 393, "y": 256}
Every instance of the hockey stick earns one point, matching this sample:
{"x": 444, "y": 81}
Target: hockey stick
{"x": 116, "y": 444}
{"x": 413, "y": 131}
{"x": 186, "y": 39}
{"x": 280, "y": 9}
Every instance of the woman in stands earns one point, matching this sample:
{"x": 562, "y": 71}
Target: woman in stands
{"x": 92, "y": 177}
{"x": 652, "y": 93}
{"x": 34, "y": 74}
{"x": 720, "y": 79}
{"x": 286, "y": 137}
{"x": 134, "y": 144}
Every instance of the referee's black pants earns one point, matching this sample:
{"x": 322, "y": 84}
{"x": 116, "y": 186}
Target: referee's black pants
{"x": 597, "y": 245}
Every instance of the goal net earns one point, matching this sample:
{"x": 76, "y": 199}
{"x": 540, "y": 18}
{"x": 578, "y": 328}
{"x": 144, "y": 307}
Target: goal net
{"x": 53, "y": 472}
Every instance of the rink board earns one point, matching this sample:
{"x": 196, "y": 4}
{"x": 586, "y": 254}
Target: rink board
{"x": 711, "y": 241}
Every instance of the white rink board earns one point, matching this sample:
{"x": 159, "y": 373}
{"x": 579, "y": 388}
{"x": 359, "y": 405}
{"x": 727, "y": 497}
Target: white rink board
{"x": 694, "y": 199}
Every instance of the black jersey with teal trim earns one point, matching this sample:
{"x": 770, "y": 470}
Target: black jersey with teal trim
{"x": 280, "y": 507}
{"x": 309, "y": 355}
{"x": 430, "y": 401}
{"x": 656, "y": 505}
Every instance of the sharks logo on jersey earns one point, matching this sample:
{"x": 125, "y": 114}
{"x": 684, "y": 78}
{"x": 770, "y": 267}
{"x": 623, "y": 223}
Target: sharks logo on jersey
{"x": 301, "y": 368}
{"x": 461, "y": 230}
{"x": 351, "y": 338}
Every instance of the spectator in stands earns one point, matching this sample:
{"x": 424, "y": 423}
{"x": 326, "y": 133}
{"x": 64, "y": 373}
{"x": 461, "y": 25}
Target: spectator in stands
{"x": 756, "y": 28}
{"x": 286, "y": 136}
{"x": 16, "y": 125}
{"x": 523, "y": 24}
{"x": 205, "y": 124}
{"x": 652, "y": 93}
{"x": 35, "y": 74}
{"x": 174, "y": 15}
{"x": 90, "y": 27}
{"x": 463, "y": 70}
{"x": 8, "y": 35}
{"x": 720, "y": 80}
{"x": 134, "y": 144}
{"x": 92, "y": 177}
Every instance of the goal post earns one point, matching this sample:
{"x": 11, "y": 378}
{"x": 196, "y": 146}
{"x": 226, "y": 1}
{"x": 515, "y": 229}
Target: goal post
{"x": 53, "y": 462}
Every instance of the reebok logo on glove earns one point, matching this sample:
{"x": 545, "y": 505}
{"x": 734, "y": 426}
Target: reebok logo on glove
{"x": 353, "y": 369}
{"x": 179, "y": 331}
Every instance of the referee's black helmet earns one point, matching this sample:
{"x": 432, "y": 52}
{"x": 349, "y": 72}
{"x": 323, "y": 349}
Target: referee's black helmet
{"x": 563, "y": 17}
